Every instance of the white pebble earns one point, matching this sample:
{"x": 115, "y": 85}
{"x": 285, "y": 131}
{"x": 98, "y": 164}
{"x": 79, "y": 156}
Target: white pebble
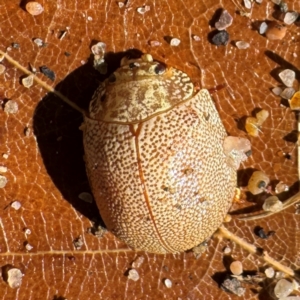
{"x": 263, "y": 28}
{"x": 38, "y": 42}
{"x": 28, "y": 247}
{"x": 16, "y": 205}
{"x": 247, "y": 4}
{"x": 11, "y": 107}
{"x": 3, "y": 181}
{"x": 242, "y": 45}
{"x": 138, "y": 262}
{"x": 133, "y": 275}
{"x": 277, "y": 91}
{"x": 227, "y": 250}
{"x": 27, "y": 231}
{"x": 270, "y": 272}
{"x": 28, "y": 81}
{"x": 3, "y": 169}
{"x": 287, "y": 76}
{"x": 14, "y": 277}
{"x": 174, "y": 42}
{"x": 224, "y": 21}
{"x": 290, "y": 17}
{"x": 5, "y": 155}
{"x": 283, "y": 288}
{"x": 272, "y": 204}
{"x": 168, "y": 283}
{"x": 143, "y": 9}
{"x": 287, "y": 93}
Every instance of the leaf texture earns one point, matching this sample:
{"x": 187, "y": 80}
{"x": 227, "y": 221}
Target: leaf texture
{"x": 46, "y": 170}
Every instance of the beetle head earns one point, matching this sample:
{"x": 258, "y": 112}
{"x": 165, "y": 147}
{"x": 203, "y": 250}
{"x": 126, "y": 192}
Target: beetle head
{"x": 139, "y": 89}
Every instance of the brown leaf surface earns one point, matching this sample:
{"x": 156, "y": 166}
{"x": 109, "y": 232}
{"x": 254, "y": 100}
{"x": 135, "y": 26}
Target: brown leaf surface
{"x": 46, "y": 170}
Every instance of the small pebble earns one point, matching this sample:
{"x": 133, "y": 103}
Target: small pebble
{"x": 220, "y": 38}
{"x": 138, "y": 262}
{"x": 247, "y": 4}
{"x": 3, "y": 181}
{"x": 5, "y": 155}
{"x": 283, "y": 6}
{"x": 263, "y": 28}
{"x": 272, "y": 204}
{"x": 242, "y": 45}
{"x": 290, "y": 17}
{"x": 227, "y": 250}
{"x": 27, "y": 131}
{"x": 86, "y": 197}
{"x": 281, "y": 187}
{"x": 270, "y": 272}
{"x": 154, "y": 43}
{"x": 27, "y": 231}
{"x": 34, "y": 8}
{"x": 133, "y": 275}
{"x": 28, "y": 247}
{"x": 287, "y": 93}
{"x": 258, "y": 182}
{"x": 47, "y": 72}
{"x": 236, "y": 148}
{"x": 3, "y": 169}
{"x": 168, "y": 283}
{"x": 236, "y": 268}
{"x": 15, "y": 45}
{"x": 277, "y": 91}
{"x": 275, "y": 31}
{"x": 78, "y": 243}
{"x": 16, "y": 205}
{"x": 283, "y": 288}
{"x": 99, "y": 49}
{"x": 38, "y": 42}
{"x": 295, "y": 101}
{"x": 121, "y": 4}
{"x": 11, "y": 107}
{"x": 28, "y": 81}
{"x": 2, "y": 69}
{"x": 196, "y": 37}
{"x": 143, "y": 9}
{"x": 276, "y": 1}
{"x": 233, "y": 285}
{"x": 14, "y": 277}
{"x": 262, "y": 116}
{"x": 224, "y": 21}
{"x": 175, "y": 42}
{"x": 199, "y": 249}
{"x": 287, "y": 77}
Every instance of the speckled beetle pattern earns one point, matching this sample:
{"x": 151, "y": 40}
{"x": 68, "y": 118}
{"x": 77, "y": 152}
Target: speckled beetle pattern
{"x": 154, "y": 158}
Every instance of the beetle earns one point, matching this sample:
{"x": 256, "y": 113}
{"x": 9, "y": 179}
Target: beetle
{"x": 160, "y": 164}
{"x": 154, "y": 158}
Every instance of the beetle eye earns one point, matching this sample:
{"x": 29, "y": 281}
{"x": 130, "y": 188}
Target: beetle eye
{"x": 160, "y": 69}
{"x": 112, "y": 78}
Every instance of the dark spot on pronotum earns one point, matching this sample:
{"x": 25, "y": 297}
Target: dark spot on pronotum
{"x": 160, "y": 69}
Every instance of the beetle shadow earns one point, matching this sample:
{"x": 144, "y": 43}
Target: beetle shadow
{"x": 56, "y": 127}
